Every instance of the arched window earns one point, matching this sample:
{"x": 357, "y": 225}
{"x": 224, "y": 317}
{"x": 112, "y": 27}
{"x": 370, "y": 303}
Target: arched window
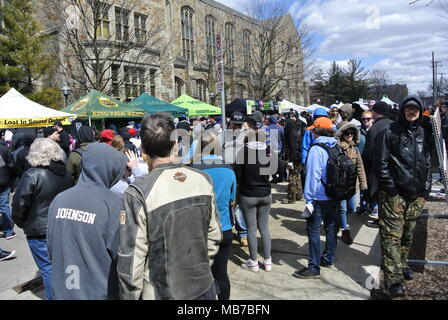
{"x": 210, "y": 36}
{"x": 229, "y": 44}
{"x": 246, "y": 50}
{"x": 187, "y": 33}
{"x": 201, "y": 90}
{"x": 179, "y": 85}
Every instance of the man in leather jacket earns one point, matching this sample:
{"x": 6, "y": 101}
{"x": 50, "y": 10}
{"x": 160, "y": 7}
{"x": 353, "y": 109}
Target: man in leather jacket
{"x": 402, "y": 166}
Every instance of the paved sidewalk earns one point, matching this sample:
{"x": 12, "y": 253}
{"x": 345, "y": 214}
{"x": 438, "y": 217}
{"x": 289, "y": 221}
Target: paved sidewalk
{"x": 347, "y": 280}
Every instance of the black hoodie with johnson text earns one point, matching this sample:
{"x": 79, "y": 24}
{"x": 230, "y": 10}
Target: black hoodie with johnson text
{"x": 83, "y": 224}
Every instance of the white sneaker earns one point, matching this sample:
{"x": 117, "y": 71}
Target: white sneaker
{"x": 268, "y": 265}
{"x": 250, "y": 265}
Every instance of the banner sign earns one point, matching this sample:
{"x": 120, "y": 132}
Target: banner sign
{"x": 33, "y": 122}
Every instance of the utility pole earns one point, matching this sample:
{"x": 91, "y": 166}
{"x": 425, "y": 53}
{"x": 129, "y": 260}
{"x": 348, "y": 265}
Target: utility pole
{"x": 434, "y": 67}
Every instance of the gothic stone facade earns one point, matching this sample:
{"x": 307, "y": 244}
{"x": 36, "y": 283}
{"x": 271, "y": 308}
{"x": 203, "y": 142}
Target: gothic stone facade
{"x": 189, "y": 28}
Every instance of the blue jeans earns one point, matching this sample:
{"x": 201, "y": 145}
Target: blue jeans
{"x": 328, "y": 212}
{"x": 240, "y": 223}
{"x": 347, "y": 206}
{"x": 40, "y": 254}
{"x": 5, "y": 209}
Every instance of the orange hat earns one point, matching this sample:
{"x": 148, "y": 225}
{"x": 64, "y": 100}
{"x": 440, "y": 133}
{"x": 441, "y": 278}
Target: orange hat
{"x": 322, "y": 122}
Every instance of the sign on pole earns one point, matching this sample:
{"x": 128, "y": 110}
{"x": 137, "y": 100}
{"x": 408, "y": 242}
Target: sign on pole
{"x": 219, "y": 64}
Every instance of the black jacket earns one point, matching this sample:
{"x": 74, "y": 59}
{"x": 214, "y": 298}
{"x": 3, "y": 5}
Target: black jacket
{"x": 293, "y": 141}
{"x": 6, "y": 167}
{"x": 368, "y": 154}
{"x": 403, "y": 161}
{"x": 250, "y": 163}
{"x": 64, "y": 141}
{"x": 36, "y": 190}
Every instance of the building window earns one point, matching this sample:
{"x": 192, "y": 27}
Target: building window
{"x": 246, "y": 50}
{"x": 169, "y": 18}
{"x": 140, "y": 27}
{"x": 201, "y": 90}
{"x": 115, "y": 82}
{"x": 179, "y": 84}
{"x": 210, "y": 37}
{"x": 187, "y": 33}
{"x": 134, "y": 82}
{"x": 230, "y": 45}
{"x": 152, "y": 82}
{"x": 121, "y": 24}
{"x": 101, "y": 23}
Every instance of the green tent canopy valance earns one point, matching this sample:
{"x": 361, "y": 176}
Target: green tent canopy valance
{"x": 195, "y": 107}
{"x": 150, "y": 104}
{"x": 97, "y": 105}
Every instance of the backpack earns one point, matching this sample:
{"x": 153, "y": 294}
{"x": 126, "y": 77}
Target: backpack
{"x": 341, "y": 174}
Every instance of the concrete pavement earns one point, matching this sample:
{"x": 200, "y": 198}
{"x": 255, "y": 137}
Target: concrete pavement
{"x": 354, "y": 265}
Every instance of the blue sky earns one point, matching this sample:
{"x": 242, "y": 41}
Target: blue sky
{"x": 389, "y": 35}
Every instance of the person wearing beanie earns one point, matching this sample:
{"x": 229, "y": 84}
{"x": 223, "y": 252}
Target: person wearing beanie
{"x": 64, "y": 138}
{"x": 403, "y": 169}
{"x": 51, "y": 133}
{"x": 22, "y": 163}
{"x": 86, "y": 136}
{"x": 106, "y": 136}
{"x": 135, "y": 140}
{"x": 347, "y": 112}
{"x": 380, "y": 112}
{"x": 124, "y": 133}
{"x": 258, "y": 117}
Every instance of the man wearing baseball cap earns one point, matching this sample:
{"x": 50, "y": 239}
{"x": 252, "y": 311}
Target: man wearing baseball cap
{"x": 320, "y": 206}
{"x": 402, "y": 166}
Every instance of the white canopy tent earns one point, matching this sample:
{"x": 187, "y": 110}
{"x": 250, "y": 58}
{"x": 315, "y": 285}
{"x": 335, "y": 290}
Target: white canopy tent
{"x": 285, "y": 106}
{"x": 314, "y": 106}
{"x": 390, "y": 102}
{"x": 17, "y": 111}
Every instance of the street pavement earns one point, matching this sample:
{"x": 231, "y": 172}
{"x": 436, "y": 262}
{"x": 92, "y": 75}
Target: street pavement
{"x": 355, "y": 266}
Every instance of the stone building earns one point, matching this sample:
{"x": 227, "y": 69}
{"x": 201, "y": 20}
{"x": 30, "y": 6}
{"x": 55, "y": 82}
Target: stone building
{"x": 183, "y": 61}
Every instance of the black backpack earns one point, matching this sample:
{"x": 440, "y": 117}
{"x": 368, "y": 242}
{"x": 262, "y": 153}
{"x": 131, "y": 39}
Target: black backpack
{"x": 341, "y": 174}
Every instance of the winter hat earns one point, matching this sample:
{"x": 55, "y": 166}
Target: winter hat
{"x": 381, "y": 107}
{"x": 107, "y": 136}
{"x": 273, "y": 119}
{"x": 48, "y": 131}
{"x": 258, "y": 116}
{"x": 323, "y": 123}
{"x": 320, "y": 112}
{"x": 132, "y": 132}
{"x": 237, "y": 118}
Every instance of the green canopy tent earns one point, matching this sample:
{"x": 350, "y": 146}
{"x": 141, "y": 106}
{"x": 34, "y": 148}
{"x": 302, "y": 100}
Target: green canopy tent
{"x": 195, "y": 107}
{"x": 151, "y": 105}
{"x": 97, "y": 105}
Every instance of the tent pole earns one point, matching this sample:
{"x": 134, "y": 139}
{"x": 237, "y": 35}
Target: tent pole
{"x": 90, "y": 122}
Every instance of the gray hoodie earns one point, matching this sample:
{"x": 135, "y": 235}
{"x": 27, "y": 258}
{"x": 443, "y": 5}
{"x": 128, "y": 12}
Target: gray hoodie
{"x": 83, "y": 224}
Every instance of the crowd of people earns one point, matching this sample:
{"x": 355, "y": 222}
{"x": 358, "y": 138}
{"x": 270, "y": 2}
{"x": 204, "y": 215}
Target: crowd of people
{"x": 148, "y": 211}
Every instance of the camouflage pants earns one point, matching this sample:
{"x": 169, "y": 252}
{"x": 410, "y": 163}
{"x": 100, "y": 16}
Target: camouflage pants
{"x": 398, "y": 217}
{"x": 295, "y": 184}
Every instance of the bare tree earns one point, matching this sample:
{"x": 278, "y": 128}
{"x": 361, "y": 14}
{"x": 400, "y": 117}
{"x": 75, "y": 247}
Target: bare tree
{"x": 378, "y": 83}
{"x": 103, "y": 45}
{"x": 273, "y": 58}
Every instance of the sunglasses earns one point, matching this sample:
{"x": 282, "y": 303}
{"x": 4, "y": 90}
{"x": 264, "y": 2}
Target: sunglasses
{"x": 350, "y": 133}
{"x": 366, "y": 119}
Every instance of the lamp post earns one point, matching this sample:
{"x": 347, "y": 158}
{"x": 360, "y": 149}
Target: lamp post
{"x": 66, "y": 91}
{"x": 212, "y": 97}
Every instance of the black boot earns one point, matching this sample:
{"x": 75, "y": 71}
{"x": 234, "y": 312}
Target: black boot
{"x": 346, "y": 237}
{"x": 408, "y": 274}
{"x": 396, "y": 290}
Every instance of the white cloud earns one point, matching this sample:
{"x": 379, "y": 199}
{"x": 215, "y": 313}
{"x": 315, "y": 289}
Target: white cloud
{"x": 405, "y": 35}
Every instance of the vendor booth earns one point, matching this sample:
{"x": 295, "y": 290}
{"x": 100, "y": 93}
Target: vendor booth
{"x": 17, "y": 111}
{"x": 196, "y": 108}
{"x": 150, "y": 104}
